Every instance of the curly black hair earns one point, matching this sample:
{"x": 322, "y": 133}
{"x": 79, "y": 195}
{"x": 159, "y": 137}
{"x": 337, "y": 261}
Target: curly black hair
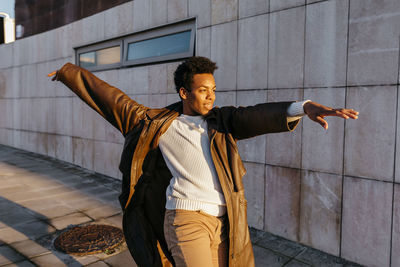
{"x": 183, "y": 75}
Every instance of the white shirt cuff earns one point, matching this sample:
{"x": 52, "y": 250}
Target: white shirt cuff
{"x": 295, "y": 111}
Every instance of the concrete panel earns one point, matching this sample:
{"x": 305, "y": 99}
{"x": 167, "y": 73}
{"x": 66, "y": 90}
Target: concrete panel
{"x": 65, "y": 40}
{"x": 203, "y": 42}
{"x": 397, "y": 156}
{"x": 224, "y": 53}
{"x": 323, "y": 150}
{"x": 111, "y": 77}
{"x": 5, "y": 82}
{"x": 158, "y": 12}
{"x": 41, "y": 143}
{"x": 286, "y": 51}
{"x": 27, "y": 75}
{"x": 253, "y": 53}
{"x": 320, "y": 215}
{"x": 149, "y": 13}
{"x": 63, "y": 148}
{"x": 125, "y": 80}
{"x": 63, "y": 110}
{"x": 44, "y": 84}
{"x": 171, "y": 68}
{"x": 38, "y": 112}
{"x": 51, "y": 115}
{"x": 373, "y": 58}
{"x": 118, "y": 20}
{"x": 82, "y": 119}
{"x": 276, "y": 5}
{"x": 157, "y": 100}
{"x": 370, "y": 141}
{"x": 252, "y": 149}
{"x": 88, "y": 30}
{"x": 201, "y": 10}
{"x": 396, "y": 227}
{"x": 223, "y": 11}
{"x": 12, "y": 79}
{"x": 141, "y": 99}
{"x": 225, "y": 99}
{"x": 284, "y": 149}
{"x": 58, "y": 88}
{"x": 83, "y": 152}
{"x": 140, "y": 80}
{"x": 248, "y": 8}
{"x": 99, "y": 127}
{"x": 366, "y": 225}
{"x": 6, "y": 137}
{"x": 6, "y": 51}
{"x": 4, "y": 113}
{"x": 50, "y": 50}
{"x": 177, "y": 10}
{"x": 173, "y": 98}
{"x": 282, "y": 198}
{"x": 20, "y": 53}
{"x": 51, "y": 145}
{"x": 157, "y": 78}
{"x": 113, "y": 135}
{"x": 106, "y": 158}
{"x": 16, "y": 114}
{"x": 254, "y": 186}
{"x": 326, "y": 44}
{"x": 24, "y": 113}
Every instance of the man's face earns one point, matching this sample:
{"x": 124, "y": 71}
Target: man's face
{"x": 200, "y": 100}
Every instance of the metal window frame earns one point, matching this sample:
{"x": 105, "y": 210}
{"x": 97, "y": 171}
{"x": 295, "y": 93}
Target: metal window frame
{"x": 99, "y": 46}
{"x": 123, "y": 42}
{"x": 160, "y": 32}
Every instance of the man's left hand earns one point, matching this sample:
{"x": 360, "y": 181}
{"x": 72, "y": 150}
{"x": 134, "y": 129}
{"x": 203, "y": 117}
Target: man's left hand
{"x": 318, "y": 112}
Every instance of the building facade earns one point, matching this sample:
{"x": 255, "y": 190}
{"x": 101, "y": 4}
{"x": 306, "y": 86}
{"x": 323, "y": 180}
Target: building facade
{"x": 337, "y": 190}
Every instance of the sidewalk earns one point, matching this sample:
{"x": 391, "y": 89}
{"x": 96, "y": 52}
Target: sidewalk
{"x": 40, "y": 196}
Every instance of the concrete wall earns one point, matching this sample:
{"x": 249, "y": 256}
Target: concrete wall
{"x": 335, "y": 190}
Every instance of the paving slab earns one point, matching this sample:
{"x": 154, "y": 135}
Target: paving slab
{"x": 71, "y": 219}
{"x": 9, "y": 255}
{"x": 266, "y": 257}
{"x": 29, "y": 248}
{"x": 20, "y": 264}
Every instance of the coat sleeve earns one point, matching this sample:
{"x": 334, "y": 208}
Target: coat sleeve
{"x": 110, "y": 102}
{"x": 246, "y": 122}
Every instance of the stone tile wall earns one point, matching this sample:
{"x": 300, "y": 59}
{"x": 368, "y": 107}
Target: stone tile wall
{"x": 335, "y": 190}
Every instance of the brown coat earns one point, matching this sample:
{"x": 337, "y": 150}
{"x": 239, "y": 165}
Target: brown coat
{"x": 146, "y": 176}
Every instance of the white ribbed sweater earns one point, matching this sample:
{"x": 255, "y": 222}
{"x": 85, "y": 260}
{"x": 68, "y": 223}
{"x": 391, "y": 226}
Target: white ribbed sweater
{"x": 185, "y": 147}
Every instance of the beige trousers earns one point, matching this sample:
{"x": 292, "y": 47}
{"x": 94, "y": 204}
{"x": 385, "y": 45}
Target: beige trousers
{"x": 196, "y": 239}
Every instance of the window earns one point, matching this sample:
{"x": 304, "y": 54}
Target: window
{"x": 169, "y": 42}
{"x": 100, "y": 56}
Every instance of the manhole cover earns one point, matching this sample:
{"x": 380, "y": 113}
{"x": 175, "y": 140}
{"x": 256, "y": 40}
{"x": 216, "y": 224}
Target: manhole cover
{"x": 90, "y": 239}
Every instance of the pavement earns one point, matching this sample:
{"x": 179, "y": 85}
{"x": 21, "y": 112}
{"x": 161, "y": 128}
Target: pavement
{"x": 40, "y": 197}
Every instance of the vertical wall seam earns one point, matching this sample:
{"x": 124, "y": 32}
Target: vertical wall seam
{"x": 302, "y": 173}
{"x": 266, "y": 139}
{"x": 344, "y": 132}
{"x": 394, "y": 161}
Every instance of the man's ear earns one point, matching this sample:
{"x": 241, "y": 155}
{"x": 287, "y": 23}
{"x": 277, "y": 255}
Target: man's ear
{"x": 183, "y": 93}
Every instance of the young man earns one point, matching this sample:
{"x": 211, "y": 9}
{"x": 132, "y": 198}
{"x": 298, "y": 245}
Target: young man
{"x": 182, "y": 190}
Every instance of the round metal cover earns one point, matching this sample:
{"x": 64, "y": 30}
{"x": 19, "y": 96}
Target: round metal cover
{"x": 90, "y": 239}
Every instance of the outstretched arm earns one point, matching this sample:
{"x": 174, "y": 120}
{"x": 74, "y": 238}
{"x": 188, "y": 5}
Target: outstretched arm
{"x": 246, "y": 122}
{"x": 318, "y": 112}
{"x": 111, "y": 103}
